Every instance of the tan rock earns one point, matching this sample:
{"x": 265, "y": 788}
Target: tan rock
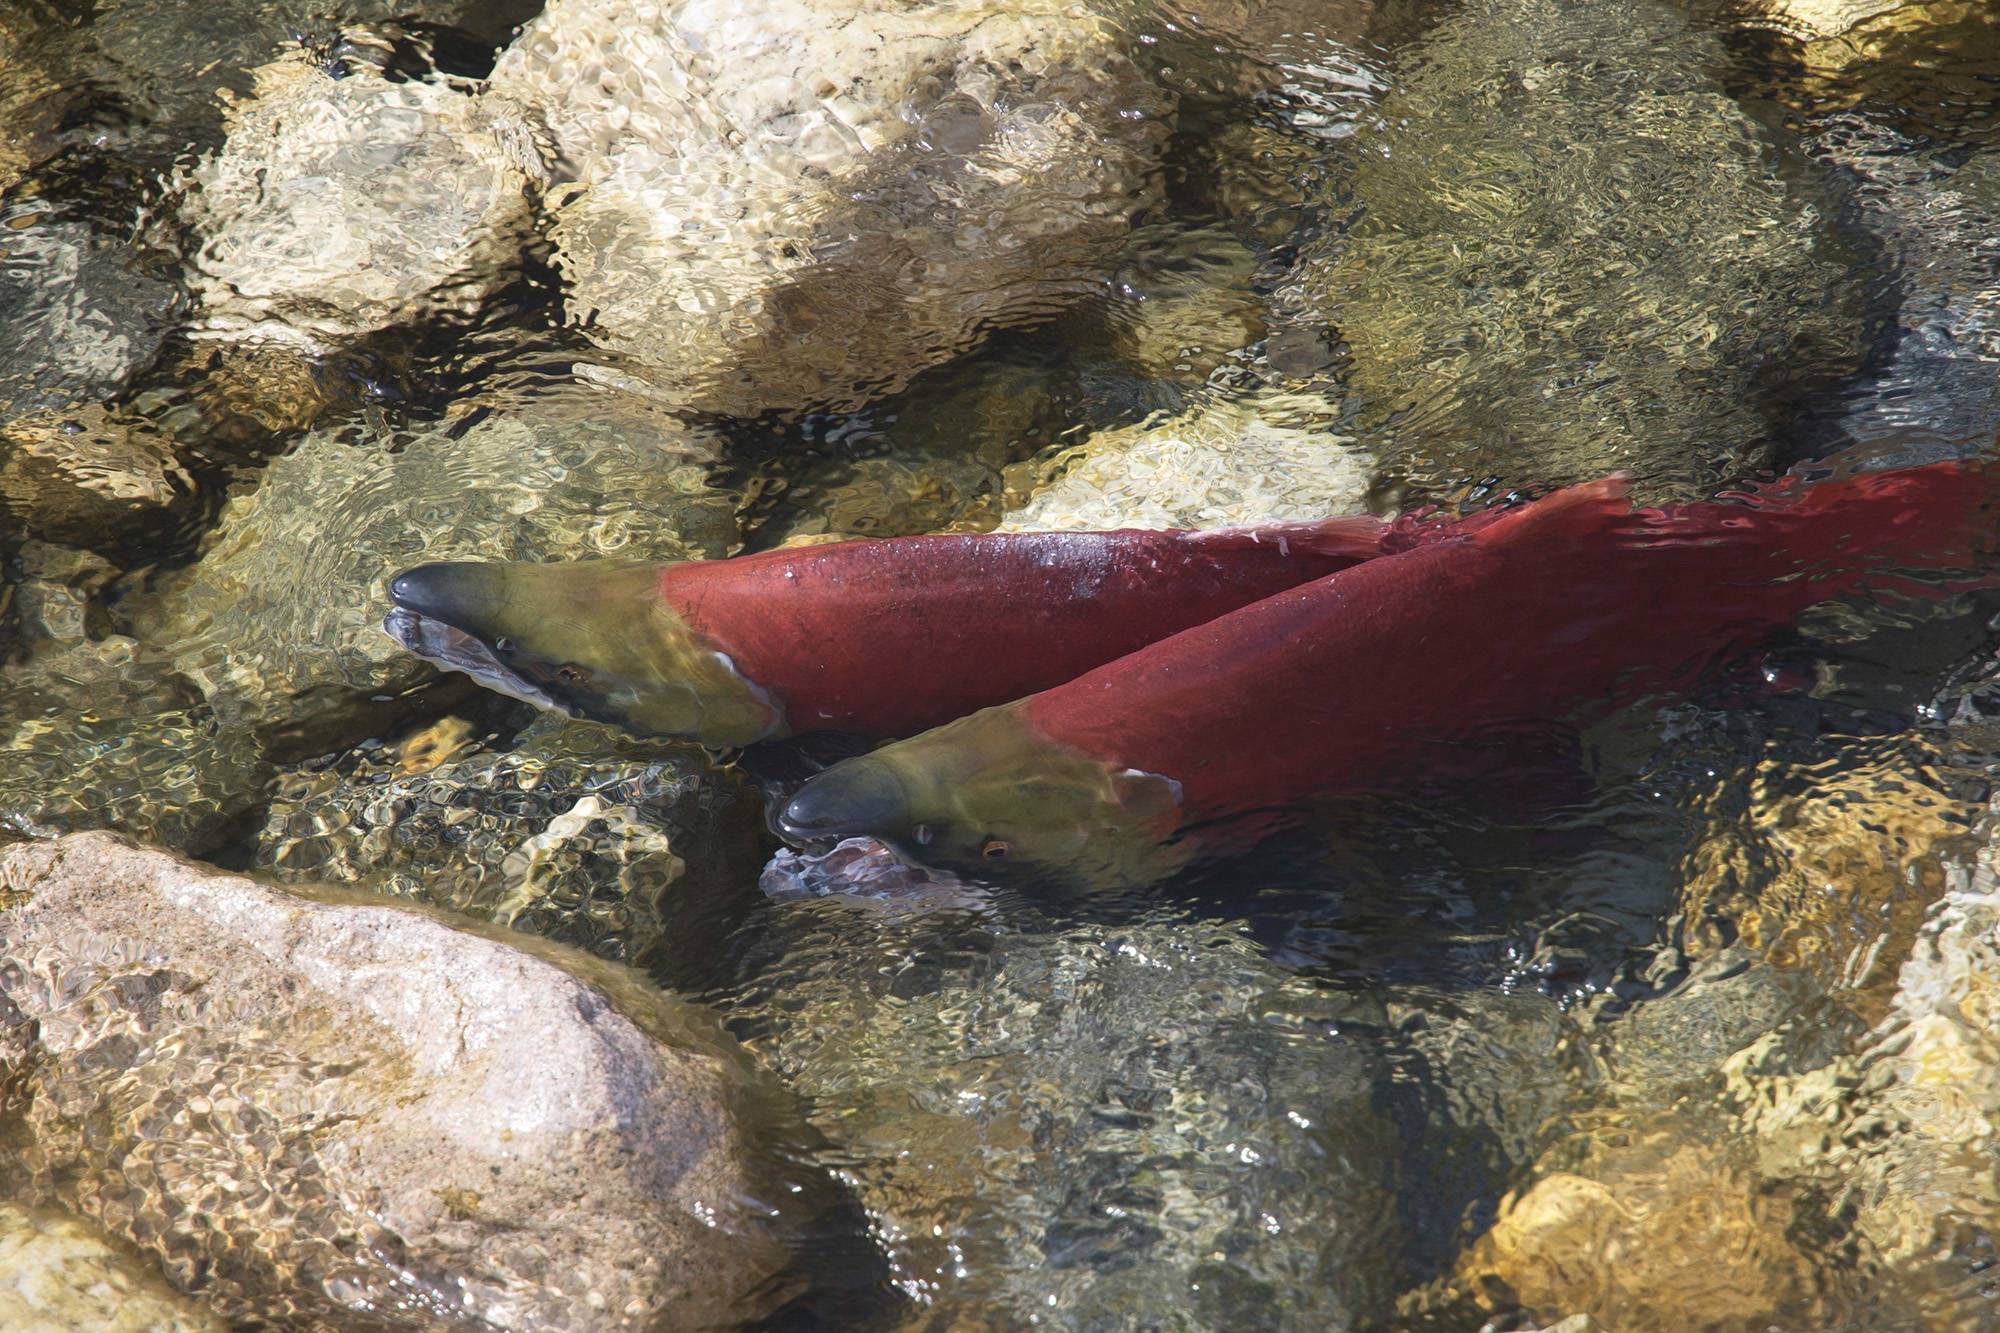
{"x": 1227, "y": 461}
{"x": 1819, "y": 20}
{"x": 1834, "y": 876}
{"x": 307, "y": 1107}
{"x": 345, "y": 201}
{"x": 1663, "y": 1236}
{"x": 59, "y": 1274}
{"x": 83, "y": 475}
{"x": 804, "y": 204}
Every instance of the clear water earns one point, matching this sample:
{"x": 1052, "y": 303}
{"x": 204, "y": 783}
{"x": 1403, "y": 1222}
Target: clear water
{"x": 1401, "y": 252}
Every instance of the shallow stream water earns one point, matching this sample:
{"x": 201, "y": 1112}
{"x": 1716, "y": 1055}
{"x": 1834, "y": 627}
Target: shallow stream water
{"x": 1421, "y": 1062}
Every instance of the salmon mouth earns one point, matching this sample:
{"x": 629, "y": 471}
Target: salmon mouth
{"x": 455, "y": 650}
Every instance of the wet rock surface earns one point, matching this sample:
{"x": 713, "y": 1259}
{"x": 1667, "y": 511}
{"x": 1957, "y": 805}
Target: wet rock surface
{"x": 1086, "y": 1125}
{"x": 1228, "y": 461}
{"x": 345, "y": 201}
{"x": 59, "y": 1274}
{"x": 803, "y": 205}
{"x": 1735, "y": 1075}
{"x": 1940, "y": 217}
{"x": 83, "y": 474}
{"x": 106, "y": 734}
{"x": 571, "y": 831}
{"x": 1515, "y": 301}
{"x": 413, "y": 1124}
{"x": 80, "y": 312}
{"x": 280, "y": 619}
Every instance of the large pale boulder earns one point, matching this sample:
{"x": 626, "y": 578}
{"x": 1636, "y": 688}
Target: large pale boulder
{"x": 803, "y": 204}
{"x": 314, "y": 1109}
{"x": 344, "y": 200}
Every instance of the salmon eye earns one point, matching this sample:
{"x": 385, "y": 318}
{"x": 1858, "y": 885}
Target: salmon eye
{"x": 923, "y": 833}
{"x": 995, "y": 849}
{"x": 569, "y": 673}
{"x": 503, "y": 646}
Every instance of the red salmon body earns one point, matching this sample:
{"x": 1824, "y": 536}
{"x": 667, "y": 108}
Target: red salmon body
{"x": 889, "y": 637}
{"x": 1566, "y": 606}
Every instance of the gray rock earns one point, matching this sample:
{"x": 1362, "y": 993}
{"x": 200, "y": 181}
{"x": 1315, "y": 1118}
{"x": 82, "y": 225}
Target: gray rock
{"x": 315, "y": 1109}
{"x": 1092, "y": 1127}
{"x": 1938, "y": 217}
{"x": 1516, "y": 300}
{"x": 279, "y": 620}
{"x": 80, "y": 313}
{"x": 574, "y": 832}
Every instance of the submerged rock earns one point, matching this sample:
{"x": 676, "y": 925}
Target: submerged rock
{"x": 573, "y": 832}
{"x": 105, "y": 734}
{"x": 59, "y": 1274}
{"x": 1813, "y": 19}
{"x": 1937, "y": 215}
{"x": 345, "y": 201}
{"x": 1229, "y": 460}
{"x": 80, "y": 312}
{"x": 1761, "y": 1155}
{"x": 316, "y": 1109}
{"x": 1826, "y": 873}
{"x": 1517, "y": 301}
{"x": 87, "y": 475}
{"x": 56, "y": 596}
{"x": 1896, "y": 1141}
{"x": 279, "y": 621}
{"x": 1095, "y": 1126}
{"x": 803, "y": 204}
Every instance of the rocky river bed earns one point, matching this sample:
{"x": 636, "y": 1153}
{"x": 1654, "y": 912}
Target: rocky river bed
{"x": 337, "y": 993}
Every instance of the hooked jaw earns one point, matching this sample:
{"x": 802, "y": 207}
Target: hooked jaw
{"x": 860, "y": 796}
{"x": 592, "y": 639}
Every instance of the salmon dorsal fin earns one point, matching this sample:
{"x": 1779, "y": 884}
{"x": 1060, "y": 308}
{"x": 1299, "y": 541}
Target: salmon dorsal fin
{"x": 1353, "y": 537}
{"x": 1587, "y": 507}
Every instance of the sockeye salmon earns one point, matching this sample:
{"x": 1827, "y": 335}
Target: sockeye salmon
{"x": 1555, "y": 610}
{"x": 880, "y": 638}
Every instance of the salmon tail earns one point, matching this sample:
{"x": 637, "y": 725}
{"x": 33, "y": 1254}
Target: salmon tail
{"x": 1936, "y": 516}
{"x": 1355, "y": 537}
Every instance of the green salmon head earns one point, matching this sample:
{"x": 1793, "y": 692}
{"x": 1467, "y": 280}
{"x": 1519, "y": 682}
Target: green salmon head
{"x": 593, "y": 639}
{"x": 989, "y": 797}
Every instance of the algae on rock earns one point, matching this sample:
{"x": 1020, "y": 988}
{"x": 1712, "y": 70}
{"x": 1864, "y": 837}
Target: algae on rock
{"x": 574, "y": 832}
{"x": 1092, "y": 1126}
{"x": 1573, "y": 253}
{"x": 279, "y": 621}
